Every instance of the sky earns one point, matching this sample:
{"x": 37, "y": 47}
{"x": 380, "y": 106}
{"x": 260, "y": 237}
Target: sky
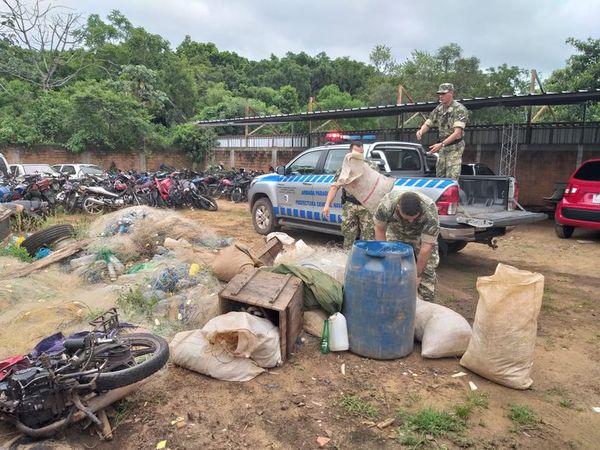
{"x": 530, "y": 35}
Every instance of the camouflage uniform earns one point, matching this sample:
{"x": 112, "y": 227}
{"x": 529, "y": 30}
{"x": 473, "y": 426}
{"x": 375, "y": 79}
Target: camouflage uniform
{"x": 357, "y": 221}
{"x": 425, "y": 228}
{"x": 447, "y": 119}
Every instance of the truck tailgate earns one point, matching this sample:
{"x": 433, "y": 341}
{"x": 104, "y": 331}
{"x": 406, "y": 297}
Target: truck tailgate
{"x": 489, "y": 218}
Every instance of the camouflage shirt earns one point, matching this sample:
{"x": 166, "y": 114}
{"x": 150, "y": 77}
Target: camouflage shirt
{"x": 425, "y": 227}
{"x": 447, "y": 119}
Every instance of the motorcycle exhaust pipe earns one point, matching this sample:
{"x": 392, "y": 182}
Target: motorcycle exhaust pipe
{"x": 94, "y": 405}
{"x": 95, "y": 201}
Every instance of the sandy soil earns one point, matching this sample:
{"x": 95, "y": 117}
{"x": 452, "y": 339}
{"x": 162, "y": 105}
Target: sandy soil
{"x": 290, "y": 407}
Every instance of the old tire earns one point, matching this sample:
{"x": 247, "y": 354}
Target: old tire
{"x": 46, "y": 237}
{"x": 263, "y": 216}
{"x": 563, "y": 231}
{"x": 129, "y": 375}
{"x": 456, "y": 246}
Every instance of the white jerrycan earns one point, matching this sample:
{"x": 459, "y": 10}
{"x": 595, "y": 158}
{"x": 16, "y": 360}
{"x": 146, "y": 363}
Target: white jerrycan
{"x": 338, "y": 333}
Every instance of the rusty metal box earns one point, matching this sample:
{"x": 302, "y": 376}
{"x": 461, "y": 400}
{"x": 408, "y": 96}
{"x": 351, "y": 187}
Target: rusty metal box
{"x": 278, "y": 297}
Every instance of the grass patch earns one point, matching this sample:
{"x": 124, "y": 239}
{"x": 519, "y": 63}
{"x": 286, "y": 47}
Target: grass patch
{"x": 566, "y": 403}
{"x": 133, "y": 300}
{"x": 93, "y": 313}
{"x": 523, "y": 417}
{"x": 473, "y": 400}
{"x": 16, "y": 251}
{"x": 478, "y": 400}
{"x": 463, "y": 411}
{"x": 415, "y": 427}
{"x": 358, "y": 407}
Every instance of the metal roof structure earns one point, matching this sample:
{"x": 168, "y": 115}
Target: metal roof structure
{"x": 549, "y": 99}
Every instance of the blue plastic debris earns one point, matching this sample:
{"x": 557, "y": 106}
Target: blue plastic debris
{"x": 42, "y": 253}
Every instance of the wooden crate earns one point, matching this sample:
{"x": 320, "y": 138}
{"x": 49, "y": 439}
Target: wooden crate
{"x": 5, "y": 214}
{"x": 267, "y": 253}
{"x": 279, "y": 297}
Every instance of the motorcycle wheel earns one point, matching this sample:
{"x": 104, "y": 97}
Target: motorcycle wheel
{"x": 149, "y": 353}
{"x": 214, "y": 191}
{"x": 208, "y": 203}
{"x": 237, "y": 195}
{"x": 91, "y": 207}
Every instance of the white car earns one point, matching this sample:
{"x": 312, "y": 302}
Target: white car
{"x": 19, "y": 170}
{"x": 78, "y": 171}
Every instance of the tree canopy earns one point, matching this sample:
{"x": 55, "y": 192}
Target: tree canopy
{"x": 106, "y": 83}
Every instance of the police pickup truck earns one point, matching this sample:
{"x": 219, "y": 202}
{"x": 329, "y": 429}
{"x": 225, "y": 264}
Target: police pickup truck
{"x": 476, "y": 208}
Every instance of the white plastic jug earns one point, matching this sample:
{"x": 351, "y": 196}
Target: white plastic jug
{"x": 338, "y": 333}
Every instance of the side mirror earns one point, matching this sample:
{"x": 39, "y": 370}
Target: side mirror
{"x": 280, "y": 170}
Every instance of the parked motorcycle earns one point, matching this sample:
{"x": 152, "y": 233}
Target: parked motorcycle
{"x": 98, "y": 199}
{"x": 65, "y": 381}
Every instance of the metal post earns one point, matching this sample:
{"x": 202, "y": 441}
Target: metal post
{"x": 583, "y": 123}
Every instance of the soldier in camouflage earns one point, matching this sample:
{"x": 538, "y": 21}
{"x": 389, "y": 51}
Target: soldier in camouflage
{"x": 357, "y": 221}
{"x": 412, "y": 218}
{"x": 451, "y": 118}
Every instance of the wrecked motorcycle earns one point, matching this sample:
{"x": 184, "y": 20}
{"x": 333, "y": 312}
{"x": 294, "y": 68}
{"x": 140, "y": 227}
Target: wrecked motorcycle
{"x": 67, "y": 380}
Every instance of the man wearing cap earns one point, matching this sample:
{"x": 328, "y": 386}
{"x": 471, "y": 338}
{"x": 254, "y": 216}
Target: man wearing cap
{"x": 451, "y": 118}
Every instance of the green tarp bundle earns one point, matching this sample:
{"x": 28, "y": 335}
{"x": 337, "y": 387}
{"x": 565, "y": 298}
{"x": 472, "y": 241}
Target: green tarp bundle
{"x": 320, "y": 289}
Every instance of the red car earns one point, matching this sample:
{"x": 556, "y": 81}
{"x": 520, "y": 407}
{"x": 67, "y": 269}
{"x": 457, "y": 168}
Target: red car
{"x": 580, "y": 206}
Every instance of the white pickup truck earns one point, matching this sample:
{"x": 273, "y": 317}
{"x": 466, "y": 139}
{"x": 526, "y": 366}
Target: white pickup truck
{"x": 476, "y": 208}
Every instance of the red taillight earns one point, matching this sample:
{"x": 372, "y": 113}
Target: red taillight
{"x": 570, "y": 190}
{"x": 334, "y": 136}
{"x": 447, "y": 204}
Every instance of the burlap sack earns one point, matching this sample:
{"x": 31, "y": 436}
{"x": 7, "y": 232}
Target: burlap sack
{"x": 505, "y": 327}
{"x": 231, "y": 261}
{"x": 367, "y": 185}
{"x": 441, "y": 331}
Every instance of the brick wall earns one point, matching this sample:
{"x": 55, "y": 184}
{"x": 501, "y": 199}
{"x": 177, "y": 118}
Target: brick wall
{"x": 123, "y": 159}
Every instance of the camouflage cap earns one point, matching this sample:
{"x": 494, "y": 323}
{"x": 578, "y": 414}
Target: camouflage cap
{"x": 445, "y": 87}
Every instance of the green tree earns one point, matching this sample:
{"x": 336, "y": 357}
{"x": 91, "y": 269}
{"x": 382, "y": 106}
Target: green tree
{"x": 582, "y": 71}
{"x": 101, "y": 118}
{"x": 196, "y": 142}
{"x": 381, "y": 58}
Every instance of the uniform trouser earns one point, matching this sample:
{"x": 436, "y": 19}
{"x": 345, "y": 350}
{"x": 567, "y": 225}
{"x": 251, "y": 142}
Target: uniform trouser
{"x": 449, "y": 161}
{"x": 357, "y": 223}
{"x": 426, "y": 289}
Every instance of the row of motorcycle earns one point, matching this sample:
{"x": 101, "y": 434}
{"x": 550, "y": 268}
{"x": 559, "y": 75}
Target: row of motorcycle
{"x": 37, "y": 194}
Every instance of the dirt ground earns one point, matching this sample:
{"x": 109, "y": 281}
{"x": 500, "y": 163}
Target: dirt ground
{"x": 309, "y": 397}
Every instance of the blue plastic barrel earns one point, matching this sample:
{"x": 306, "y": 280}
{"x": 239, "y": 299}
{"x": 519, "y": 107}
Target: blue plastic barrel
{"x": 380, "y": 299}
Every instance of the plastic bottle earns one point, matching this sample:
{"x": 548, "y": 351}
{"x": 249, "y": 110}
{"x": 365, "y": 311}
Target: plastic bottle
{"x": 325, "y": 337}
{"x": 83, "y": 261}
{"x": 111, "y": 271}
{"x": 118, "y": 265}
{"x": 338, "y": 333}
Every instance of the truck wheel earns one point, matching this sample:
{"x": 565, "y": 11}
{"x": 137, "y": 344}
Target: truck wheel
{"x": 263, "y": 216}
{"x": 456, "y": 246}
{"x": 564, "y": 231}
